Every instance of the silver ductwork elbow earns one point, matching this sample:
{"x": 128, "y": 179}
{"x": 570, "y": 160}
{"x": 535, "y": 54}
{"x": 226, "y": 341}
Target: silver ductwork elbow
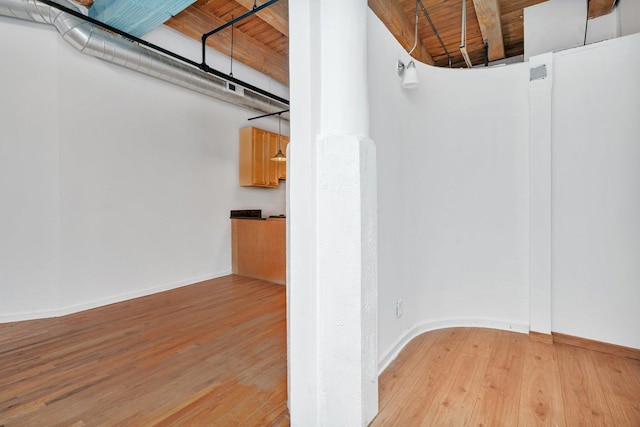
{"x": 92, "y": 40}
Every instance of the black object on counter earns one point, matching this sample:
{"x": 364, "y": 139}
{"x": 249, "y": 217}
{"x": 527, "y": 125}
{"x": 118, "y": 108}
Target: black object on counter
{"x": 247, "y": 213}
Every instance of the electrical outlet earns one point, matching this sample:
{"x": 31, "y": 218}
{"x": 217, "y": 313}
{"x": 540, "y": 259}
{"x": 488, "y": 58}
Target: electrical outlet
{"x": 399, "y": 308}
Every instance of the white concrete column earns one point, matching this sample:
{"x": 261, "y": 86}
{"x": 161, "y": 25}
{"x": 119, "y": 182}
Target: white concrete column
{"x": 540, "y": 91}
{"x": 332, "y": 252}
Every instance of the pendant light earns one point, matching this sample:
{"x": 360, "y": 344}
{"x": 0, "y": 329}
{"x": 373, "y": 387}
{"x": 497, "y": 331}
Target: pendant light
{"x": 279, "y": 157}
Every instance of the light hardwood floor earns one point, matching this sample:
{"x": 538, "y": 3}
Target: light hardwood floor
{"x": 209, "y": 354}
{"x": 472, "y": 377}
{"x": 214, "y": 354}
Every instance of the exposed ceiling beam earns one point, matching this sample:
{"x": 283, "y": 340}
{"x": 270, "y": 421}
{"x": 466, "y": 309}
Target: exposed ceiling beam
{"x": 194, "y": 22}
{"x": 391, "y": 14}
{"x": 276, "y": 15}
{"x": 488, "y": 13}
{"x": 600, "y": 7}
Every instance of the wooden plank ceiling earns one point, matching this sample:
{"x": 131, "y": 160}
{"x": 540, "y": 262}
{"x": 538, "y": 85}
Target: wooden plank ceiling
{"x": 262, "y": 40}
{"x": 502, "y": 25}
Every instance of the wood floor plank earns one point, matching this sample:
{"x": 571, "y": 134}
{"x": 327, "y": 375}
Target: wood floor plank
{"x": 584, "y": 400}
{"x": 498, "y": 401}
{"x": 620, "y": 386}
{"x": 453, "y": 402}
{"x": 635, "y": 365}
{"x": 399, "y": 376}
{"x": 541, "y": 401}
{"x": 428, "y": 371}
{"x": 218, "y": 346}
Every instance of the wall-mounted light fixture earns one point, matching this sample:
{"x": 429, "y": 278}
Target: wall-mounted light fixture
{"x": 409, "y": 74}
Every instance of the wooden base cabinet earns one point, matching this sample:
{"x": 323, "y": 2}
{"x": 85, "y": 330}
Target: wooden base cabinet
{"x": 258, "y": 248}
{"x": 257, "y": 146}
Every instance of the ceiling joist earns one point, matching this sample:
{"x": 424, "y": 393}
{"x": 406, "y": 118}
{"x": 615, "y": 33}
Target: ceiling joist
{"x": 394, "y": 18}
{"x": 488, "y": 14}
{"x": 276, "y": 15}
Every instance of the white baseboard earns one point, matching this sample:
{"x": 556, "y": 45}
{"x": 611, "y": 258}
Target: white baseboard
{"x": 109, "y": 300}
{"x": 433, "y": 325}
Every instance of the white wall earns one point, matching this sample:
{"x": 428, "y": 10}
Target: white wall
{"x": 387, "y": 129}
{"x": 554, "y": 25}
{"x": 604, "y": 27}
{"x": 113, "y": 184}
{"x": 596, "y": 192}
{"x": 467, "y": 178}
{"x": 29, "y": 170}
{"x": 452, "y": 194}
{"x": 629, "y": 16}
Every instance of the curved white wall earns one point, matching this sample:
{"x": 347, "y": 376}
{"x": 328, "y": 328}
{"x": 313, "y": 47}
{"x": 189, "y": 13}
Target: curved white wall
{"x": 453, "y": 194}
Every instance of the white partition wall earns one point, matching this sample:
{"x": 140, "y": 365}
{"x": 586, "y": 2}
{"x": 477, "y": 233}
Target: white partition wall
{"x": 596, "y": 192}
{"x": 554, "y": 25}
{"x": 628, "y": 16}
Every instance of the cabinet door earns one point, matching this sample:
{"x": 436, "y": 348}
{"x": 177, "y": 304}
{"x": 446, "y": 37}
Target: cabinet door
{"x": 257, "y": 146}
{"x": 253, "y": 170}
{"x": 271, "y": 147}
{"x": 247, "y": 175}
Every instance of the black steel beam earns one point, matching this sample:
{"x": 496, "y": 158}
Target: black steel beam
{"x": 267, "y": 115}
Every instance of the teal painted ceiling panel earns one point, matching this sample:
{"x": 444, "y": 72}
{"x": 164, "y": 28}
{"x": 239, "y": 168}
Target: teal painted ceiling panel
{"x": 136, "y": 17}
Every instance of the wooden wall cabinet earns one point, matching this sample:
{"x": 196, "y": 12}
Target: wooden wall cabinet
{"x": 257, "y": 146}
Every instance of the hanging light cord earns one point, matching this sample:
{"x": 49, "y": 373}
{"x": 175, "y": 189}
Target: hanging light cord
{"x": 415, "y": 43}
{"x": 279, "y": 134}
{"x": 231, "y": 68}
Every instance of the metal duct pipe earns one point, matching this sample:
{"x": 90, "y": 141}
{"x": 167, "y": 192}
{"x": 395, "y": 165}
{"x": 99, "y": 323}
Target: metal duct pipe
{"x": 92, "y": 40}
